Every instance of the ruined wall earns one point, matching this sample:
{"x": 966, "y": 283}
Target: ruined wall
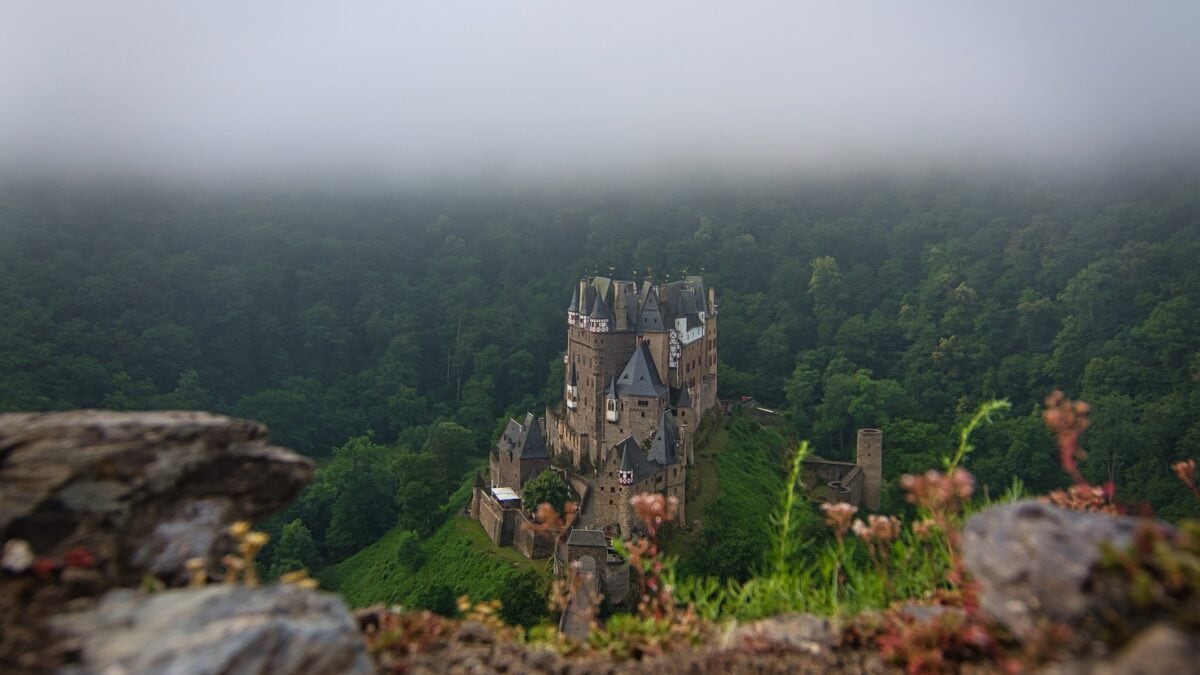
{"x": 824, "y": 470}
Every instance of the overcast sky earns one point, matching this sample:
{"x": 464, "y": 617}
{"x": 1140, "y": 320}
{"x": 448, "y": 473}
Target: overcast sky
{"x": 395, "y": 89}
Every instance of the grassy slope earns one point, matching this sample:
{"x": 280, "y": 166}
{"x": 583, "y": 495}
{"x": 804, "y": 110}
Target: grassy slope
{"x": 735, "y": 485}
{"x": 458, "y": 554}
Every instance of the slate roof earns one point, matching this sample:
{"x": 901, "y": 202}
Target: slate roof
{"x": 640, "y": 377}
{"x": 600, "y": 310}
{"x": 581, "y": 537}
{"x": 633, "y": 459}
{"x": 644, "y": 308}
{"x": 611, "y": 392}
{"x": 574, "y": 304}
{"x": 524, "y": 440}
{"x": 681, "y": 398}
{"x": 651, "y": 317}
{"x": 664, "y": 446}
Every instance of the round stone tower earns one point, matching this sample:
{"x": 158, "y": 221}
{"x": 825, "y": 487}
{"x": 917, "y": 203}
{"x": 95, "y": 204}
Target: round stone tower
{"x": 869, "y": 455}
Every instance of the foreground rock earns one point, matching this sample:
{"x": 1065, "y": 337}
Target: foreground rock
{"x": 143, "y": 492}
{"x": 787, "y": 644}
{"x": 103, "y": 499}
{"x": 216, "y": 629}
{"x": 1036, "y": 563}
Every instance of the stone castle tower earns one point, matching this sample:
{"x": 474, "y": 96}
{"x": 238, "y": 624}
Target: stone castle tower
{"x": 868, "y": 454}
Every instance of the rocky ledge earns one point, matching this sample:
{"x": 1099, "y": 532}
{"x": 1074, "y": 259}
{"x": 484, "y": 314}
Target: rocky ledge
{"x": 93, "y": 504}
{"x": 96, "y": 500}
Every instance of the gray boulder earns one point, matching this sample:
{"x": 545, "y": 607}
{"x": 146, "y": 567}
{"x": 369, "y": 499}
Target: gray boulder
{"x": 231, "y": 630}
{"x": 1034, "y": 561}
{"x": 143, "y": 491}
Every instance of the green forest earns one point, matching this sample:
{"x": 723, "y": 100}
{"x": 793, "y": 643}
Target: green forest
{"x": 389, "y": 336}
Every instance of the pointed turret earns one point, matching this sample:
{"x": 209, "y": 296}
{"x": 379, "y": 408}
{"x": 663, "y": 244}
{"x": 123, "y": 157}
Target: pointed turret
{"x": 640, "y": 376}
{"x": 573, "y": 307}
{"x": 650, "y": 318}
{"x": 634, "y": 466}
{"x": 683, "y": 397}
{"x": 532, "y": 444}
{"x": 664, "y": 447}
{"x": 600, "y": 319}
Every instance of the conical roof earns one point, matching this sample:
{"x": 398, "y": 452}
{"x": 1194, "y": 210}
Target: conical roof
{"x": 633, "y": 459}
{"x": 574, "y": 304}
{"x": 600, "y": 310}
{"x": 533, "y": 444}
{"x": 640, "y": 376}
{"x": 525, "y": 441}
{"x": 650, "y": 318}
{"x": 664, "y": 446}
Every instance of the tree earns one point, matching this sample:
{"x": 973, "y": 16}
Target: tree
{"x": 546, "y": 488}
{"x": 435, "y": 597}
{"x": 296, "y": 550}
{"x": 523, "y": 599}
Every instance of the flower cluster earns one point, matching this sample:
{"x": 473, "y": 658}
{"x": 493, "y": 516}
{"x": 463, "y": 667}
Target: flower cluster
{"x": 938, "y": 492}
{"x": 1186, "y": 471}
{"x": 547, "y": 521}
{"x": 654, "y": 510}
{"x": 237, "y": 567}
{"x": 878, "y": 533}
{"x": 838, "y": 516}
{"x": 881, "y": 529}
{"x": 1092, "y": 498}
{"x": 1067, "y": 419}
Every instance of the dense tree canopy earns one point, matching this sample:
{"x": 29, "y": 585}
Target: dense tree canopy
{"x": 388, "y": 335}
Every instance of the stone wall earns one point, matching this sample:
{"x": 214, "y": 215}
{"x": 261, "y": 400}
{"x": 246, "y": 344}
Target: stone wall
{"x": 497, "y": 521}
{"x": 531, "y": 544}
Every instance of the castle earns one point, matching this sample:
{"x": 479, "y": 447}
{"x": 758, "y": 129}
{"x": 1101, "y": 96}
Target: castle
{"x": 640, "y": 372}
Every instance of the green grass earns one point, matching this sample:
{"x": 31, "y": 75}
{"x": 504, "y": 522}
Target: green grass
{"x": 458, "y": 555}
{"x": 732, "y": 491}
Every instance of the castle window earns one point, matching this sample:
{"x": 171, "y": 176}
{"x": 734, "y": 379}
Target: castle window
{"x": 643, "y": 404}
